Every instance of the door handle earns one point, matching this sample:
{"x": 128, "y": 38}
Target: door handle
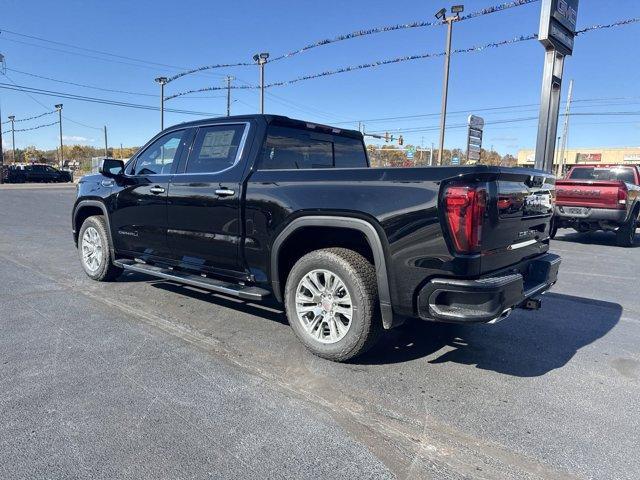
{"x": 156, "y": 190}
{"x": 224, "y": 192}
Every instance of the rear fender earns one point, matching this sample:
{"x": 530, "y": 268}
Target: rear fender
{"x": 372, "y": 237}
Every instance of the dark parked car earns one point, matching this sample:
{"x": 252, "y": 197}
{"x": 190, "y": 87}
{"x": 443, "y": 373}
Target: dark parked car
{"x": 265, "y": 206}
{"x": 37, "y": 172}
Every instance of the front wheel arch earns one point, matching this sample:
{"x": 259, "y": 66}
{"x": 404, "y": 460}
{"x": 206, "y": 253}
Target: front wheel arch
{"x": 85, "y": 209}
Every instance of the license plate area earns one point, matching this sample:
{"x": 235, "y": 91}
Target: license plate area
{"x": 575, "y": 211}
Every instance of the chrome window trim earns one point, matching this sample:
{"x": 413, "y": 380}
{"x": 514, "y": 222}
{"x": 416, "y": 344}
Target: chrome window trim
{"x": 243, "y": 140}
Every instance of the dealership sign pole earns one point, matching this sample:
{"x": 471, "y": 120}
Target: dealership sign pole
{"x": 557, "y": 31}
{"x": 474, "y": 137}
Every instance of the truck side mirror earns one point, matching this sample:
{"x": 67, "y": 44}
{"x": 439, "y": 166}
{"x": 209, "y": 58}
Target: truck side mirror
{"x": 111, "y": 167}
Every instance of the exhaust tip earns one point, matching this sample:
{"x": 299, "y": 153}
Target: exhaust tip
{"x": 532, "y": 304}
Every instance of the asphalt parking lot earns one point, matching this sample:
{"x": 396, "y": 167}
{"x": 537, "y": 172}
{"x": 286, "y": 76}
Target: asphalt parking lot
{"x": 146, "y": 379}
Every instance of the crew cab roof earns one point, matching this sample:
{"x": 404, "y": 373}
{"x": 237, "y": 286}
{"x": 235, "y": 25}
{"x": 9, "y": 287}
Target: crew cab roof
{"x": 280, "y": 120}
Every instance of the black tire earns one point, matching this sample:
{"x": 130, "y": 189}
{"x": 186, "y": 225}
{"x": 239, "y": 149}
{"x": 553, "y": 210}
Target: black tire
{"x": 626, "y": 233}
{"x": 359, "y": 278}
{"x": 106, "y": 271}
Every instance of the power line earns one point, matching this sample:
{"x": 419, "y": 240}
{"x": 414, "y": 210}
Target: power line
{"x": 50, "y": 93}
{"x": 101, "y": 52}
{"x": 45, "y": 40}
{"x": 84, "y": 85}
{"x": 289, "y": 103}
{"x": 507, "y": 120}
{"x": 521, "y": 108}
{"x": 45, "y": 106}
{"x": 93, "y": 57}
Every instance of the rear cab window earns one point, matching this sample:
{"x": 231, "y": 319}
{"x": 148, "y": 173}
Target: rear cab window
{"x": 626, "y": 174}
{"x": 292, "y": 148}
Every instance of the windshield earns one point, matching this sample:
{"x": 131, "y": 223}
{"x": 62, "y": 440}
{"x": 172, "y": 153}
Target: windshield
{"x": 592, "y": 173}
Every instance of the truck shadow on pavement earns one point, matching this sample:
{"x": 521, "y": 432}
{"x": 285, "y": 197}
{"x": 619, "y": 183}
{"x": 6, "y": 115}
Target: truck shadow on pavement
{"x": 527, "y": 344}
{"x": 590, "y": 238}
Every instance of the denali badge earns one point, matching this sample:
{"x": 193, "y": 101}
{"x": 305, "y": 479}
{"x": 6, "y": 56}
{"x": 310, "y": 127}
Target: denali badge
{"x": 539, "y": 202}
{"x": 131, "y": 234}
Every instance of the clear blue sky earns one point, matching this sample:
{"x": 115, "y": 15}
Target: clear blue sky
{"x": 605, "y": 64}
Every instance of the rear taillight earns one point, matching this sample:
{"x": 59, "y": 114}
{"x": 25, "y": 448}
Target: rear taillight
{"x": 464, "y": 212}
{"x": 622, "y": 195}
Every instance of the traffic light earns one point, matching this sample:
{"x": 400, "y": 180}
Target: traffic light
{"x": 400, "y": 140}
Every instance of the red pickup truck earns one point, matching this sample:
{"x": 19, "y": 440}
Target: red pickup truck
{"x": 600, "y": 197}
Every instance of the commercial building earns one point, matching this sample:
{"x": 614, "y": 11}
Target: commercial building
{"x": 604, "y": 155}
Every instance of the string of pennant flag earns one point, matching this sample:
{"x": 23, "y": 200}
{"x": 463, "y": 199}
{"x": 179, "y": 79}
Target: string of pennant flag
{"x": 29, "y": 118}
{"x": 377, "y": 63}
{"x": 358, "y": 33}
{"x": 31, "y": 128}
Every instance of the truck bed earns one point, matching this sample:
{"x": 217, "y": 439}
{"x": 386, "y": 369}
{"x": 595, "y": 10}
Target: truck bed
{"x": 405, "y": 205}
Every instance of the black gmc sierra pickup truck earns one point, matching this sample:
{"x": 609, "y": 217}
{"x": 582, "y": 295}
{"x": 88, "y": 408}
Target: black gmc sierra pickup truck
{"x": 262, "y": 206}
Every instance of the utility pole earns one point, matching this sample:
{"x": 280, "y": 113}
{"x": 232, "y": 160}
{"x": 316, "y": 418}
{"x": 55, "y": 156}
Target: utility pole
{"x": 59, "y": 108}
{"x": 565, "y": 129}
{"x": 261, "y": 60}
{"x": 162, "y": 81}
{"x": 121, "y": 157}
{"x": 229, "y": 78}
{"x": 106, "y": 149}
{"x": 431, "y": 156}
{"x": 12, "y": 119}
{"x": 442, "y": 15}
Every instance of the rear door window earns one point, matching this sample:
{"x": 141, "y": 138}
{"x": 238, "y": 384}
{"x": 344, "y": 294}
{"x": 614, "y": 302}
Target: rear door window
{"x": 295, "y": 148}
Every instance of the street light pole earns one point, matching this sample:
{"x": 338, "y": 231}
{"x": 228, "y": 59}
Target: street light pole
{"x": 565, "y": 131}
{"x": 106, "y": 149}
{"x": 59, "y": 108}
{"x": 441, "y": 15}
{"x": 261, "y": 60}
{"x": 12, "y": 119}
{"x": 162, "y": 81}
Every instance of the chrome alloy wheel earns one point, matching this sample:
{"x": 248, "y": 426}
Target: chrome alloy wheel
{"x": 324, "y": 306}
{"x": 92, "y": 249}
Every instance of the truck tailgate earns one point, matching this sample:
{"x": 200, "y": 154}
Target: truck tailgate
{"x": 589, "y": 193}
{"x": 516, "y": 225}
